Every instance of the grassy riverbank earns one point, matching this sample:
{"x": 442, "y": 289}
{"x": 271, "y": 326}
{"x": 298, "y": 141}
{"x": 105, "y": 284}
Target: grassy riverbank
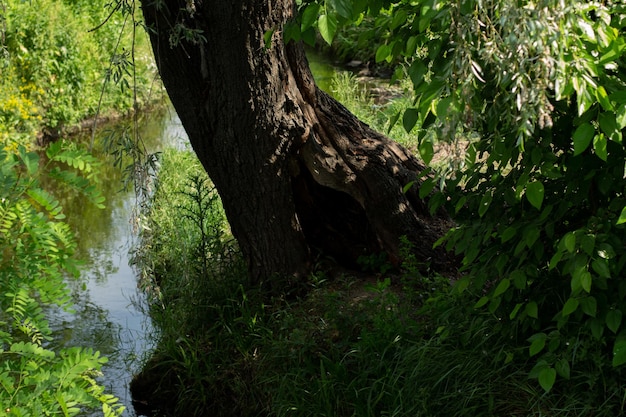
{"x": 380, "y": 343}
{"x": 61, "y": 65}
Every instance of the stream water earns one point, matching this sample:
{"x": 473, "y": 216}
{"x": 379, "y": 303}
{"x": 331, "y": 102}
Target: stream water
{"x": 109, "y": 307}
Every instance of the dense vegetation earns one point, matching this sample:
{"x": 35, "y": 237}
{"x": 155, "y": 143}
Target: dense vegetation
{"x": 532, "y": 92}
{"x": 59, "y": 66}
{"x": 54, "y": 73}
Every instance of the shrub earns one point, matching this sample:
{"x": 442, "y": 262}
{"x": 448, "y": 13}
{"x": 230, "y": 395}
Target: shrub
{"x": 37, "y": 252}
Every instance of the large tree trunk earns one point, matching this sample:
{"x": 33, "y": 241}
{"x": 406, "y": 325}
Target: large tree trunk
{"x": 296, "y": 172}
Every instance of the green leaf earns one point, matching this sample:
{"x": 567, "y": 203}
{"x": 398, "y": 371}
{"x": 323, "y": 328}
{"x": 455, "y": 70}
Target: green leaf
{"x": 585, "y": 281}
{"x": 599, "y": 146}
{"x": 508, "y": 234}
{"x": 570, "y": 242}
{"x": 620, "y": 116}
{"x": 30, "y": 160}
{"x": 427, "y": 186}
{"x": 399, "y": 18}
{"x": 547, "y": 377}
{"x": 516, "y": 310}
{"x": 608, "y": 125}
{"x": 426, "y": 150}
{"x": 309, "y": 16}
{"x": 485, "y": 201}
{"x": 589, "y": 306}
{"x": 393, "y": 120}
{"x": 538, "y": 342}
{"x": 622, "y": 217}
{"x": 343, "y": 8}
{"x": 597, "y": 328}
{"x": 267, "y": 38}
{"x": 619, "y": 353}
{"x": 409, "y": 119}
{"x": 585, "y": 98}
{"x": 587, "y": 243}
{"x": 601, "y": 267}
{"x": 502, "y": 287}
{"x": 570, "y": 306}
{"x": 614, "y": 320}
{"x": 562, "y": 368}
{"x": 532, "y": 310}
{"x": 519, "y": 279}
{"x": 582, "y": 137}
{"x": 535, "y": 194}
{"x": 483, "y": 300}
{"x": 382, "y": 53}
{"x": 327, "y": 25}
{"x": 417, "y": 70}
{"x": 603, "y": 99}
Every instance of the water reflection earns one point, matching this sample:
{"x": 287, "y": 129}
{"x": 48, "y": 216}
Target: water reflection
{"x": 110, "y": 314}
{"x": 109, "y": 308}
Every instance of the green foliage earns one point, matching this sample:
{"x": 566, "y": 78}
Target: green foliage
{"x": 191, "y": 246}
{"x": 534, "y": 92}
{"x": 540, "y": 88}
{"x": 37, "y": 254}
{"x": 56, "y": 72}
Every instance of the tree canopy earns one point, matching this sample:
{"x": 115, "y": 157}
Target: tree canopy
{"x": 535, "y": 92}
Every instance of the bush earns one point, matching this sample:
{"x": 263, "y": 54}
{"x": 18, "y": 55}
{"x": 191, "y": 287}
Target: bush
{"x": 53, "y": 68}
{"x": 37, "y": 252}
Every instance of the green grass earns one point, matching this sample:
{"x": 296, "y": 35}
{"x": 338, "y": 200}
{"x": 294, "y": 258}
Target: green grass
{"x": 374, "y": 345}
{"x": 56, "y": 71}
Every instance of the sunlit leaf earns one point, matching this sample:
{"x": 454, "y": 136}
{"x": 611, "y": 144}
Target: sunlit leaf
{"x": 603, "y": 99}
{"x": 327, "y": 25}
{"x": 622, "y": 216}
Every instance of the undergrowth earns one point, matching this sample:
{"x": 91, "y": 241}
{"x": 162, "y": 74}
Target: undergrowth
{"x": 381, "y": 344}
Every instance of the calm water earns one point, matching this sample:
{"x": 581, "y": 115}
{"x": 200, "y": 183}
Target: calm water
{"x": 110, "y": 309}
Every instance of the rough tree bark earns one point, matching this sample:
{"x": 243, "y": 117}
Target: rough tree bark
{"x": 297, "y": 172}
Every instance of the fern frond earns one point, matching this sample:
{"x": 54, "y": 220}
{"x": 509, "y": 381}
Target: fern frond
{"x": 46, "y": 201}
{"x": 79, "y": 184}
{"x": 75, "y": 158}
